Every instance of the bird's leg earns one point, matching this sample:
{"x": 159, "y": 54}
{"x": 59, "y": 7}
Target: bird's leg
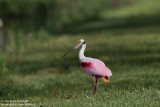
{"x": 92, "y": 83}
{"x": 96, "y": 85}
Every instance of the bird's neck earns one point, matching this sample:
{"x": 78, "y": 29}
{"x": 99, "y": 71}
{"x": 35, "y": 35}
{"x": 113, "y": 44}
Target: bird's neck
{"x": 81, "y": 52}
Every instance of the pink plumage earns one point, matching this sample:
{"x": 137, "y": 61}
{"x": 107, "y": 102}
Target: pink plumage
{"x": 93, "y": 67}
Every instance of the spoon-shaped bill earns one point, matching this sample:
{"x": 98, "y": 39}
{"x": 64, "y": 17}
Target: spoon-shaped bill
{"x": 67, "y": 52}
{"x": 75, "y": 47}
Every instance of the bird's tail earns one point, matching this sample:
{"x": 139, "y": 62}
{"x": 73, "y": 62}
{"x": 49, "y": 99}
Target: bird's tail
{"x": 105, "y": 79}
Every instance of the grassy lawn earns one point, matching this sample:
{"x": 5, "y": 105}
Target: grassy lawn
{"x": 38, "y": 72}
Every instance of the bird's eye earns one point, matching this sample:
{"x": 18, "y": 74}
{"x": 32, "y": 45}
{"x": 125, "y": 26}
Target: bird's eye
{"x": 79, "y": 41}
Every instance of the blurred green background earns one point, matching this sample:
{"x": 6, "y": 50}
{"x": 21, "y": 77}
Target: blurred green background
{"x": 125, "y": 34}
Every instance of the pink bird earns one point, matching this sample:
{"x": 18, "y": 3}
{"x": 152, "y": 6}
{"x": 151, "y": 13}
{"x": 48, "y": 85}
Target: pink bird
{"x": 91, "y": 66}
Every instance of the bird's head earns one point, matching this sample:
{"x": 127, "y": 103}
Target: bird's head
{"x": 81, "y": 42}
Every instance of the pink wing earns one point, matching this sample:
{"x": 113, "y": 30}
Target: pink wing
{"x": 99, "y": 68}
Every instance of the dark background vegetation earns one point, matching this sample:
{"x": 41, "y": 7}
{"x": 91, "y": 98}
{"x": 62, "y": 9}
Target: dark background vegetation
{"x": 54, "y": 15}
{"x": 125, "y": 34}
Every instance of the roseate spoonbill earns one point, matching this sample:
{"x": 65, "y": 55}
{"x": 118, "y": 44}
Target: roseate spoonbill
{"x": 91, "y": 66}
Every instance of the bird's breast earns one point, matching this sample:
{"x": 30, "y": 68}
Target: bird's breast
{"x": 86, "y": 64}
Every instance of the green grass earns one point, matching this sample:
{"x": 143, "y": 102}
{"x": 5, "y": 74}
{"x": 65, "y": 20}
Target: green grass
{"x": 38, "y": 73}
{"x": 141, "y": 7}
